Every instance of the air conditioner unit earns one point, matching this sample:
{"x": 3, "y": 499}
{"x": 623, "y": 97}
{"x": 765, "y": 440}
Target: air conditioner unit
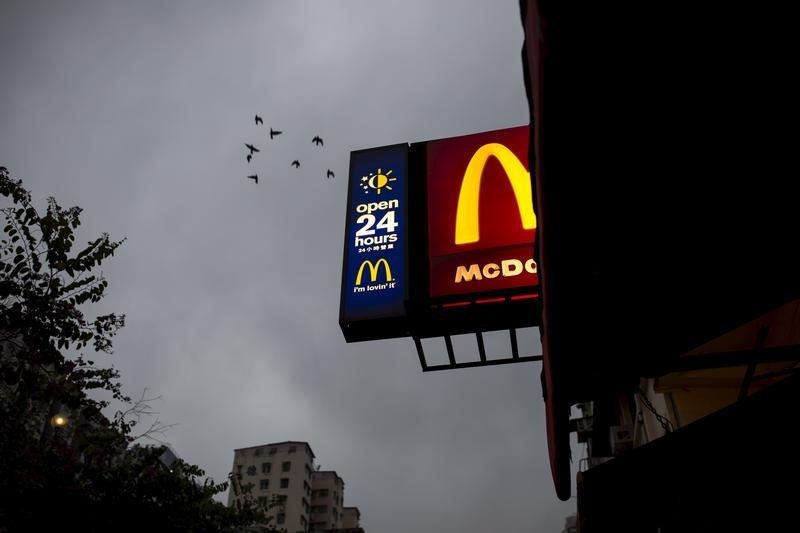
{"x": 621, "y": 438}
{"x": 585, "y": 408}
{"x": 584, "y": 425}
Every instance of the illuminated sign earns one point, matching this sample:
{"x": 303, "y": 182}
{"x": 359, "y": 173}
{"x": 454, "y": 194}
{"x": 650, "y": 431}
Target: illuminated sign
{"x": 374, "y": 276}
{"x": 481, "y": 224}
{"x": 439, "y": 238}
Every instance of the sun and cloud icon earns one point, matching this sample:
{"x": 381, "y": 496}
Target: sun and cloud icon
{"x": 378, "y": 180}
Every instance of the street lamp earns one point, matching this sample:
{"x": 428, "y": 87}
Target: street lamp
{"x": 59, "y": 420}
{"x": 51, "y": 426}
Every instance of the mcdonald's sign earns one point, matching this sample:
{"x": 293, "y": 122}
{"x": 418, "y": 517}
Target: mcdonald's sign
{"x": 481, "y": 223}
{"x": 374, "y": 271}
{"x": 433, "y": 226}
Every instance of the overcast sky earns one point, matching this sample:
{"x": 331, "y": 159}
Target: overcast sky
{"x": 137, "y": 111}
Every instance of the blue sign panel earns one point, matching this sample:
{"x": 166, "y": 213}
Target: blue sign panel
{"x": 374, "y": 277}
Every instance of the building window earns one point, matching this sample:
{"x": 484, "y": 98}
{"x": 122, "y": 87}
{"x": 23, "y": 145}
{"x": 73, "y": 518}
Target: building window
{"x": 251, "y": 470}
{"x": 286, "y": 466}
{"x": 266, "y": 468}
{"x": 281, "y": 499}
{"x": 305, "y": 505}
{"x": 264, "y": 484}
{"x": 273, "y": 451}
{"x": 319, "y": 509}
{"x": 258, "y": 452}
{"x": 292, "y": 449}
{"x": 308, "y": 470}
{"x": 303, "y": 521}
{"x": 239, "y": 470}
{"x": 284, "y": 482}
{"x": 281, "y": 518}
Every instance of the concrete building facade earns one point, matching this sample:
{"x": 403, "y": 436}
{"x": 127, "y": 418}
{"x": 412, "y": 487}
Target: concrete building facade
{"x": 327, "y": 497}
{"x": 280, "y": 472}
{"x": 306, "y": 499}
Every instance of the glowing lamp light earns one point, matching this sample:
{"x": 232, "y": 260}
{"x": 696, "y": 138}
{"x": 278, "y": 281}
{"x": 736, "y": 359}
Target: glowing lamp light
{"x": 59, "y": 420}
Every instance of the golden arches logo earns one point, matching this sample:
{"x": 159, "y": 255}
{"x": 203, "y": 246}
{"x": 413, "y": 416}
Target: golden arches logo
{"x": 467, "y": 222}
{"x": 373, "y": 270}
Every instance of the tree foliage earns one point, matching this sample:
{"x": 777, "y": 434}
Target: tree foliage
{"x": 63, "y": 462}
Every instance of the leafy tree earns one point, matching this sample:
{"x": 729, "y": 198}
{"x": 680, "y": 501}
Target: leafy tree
{"x": 63, "y": 462}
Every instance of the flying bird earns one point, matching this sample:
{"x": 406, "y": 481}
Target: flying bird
{"x": 249, "y": 157}
{"x": 252, "y": 148}
{"x": 254, "y": 177}
{"x": 258, "y": 120}
{"x": 330, "y": 174}
{"x": 296, "y": 163}
{"x": 273, "y": 133}
{"x": 316, "y": 140}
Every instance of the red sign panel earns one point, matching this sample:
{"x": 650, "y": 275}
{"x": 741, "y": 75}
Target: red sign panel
{"x": 481, "y": 224}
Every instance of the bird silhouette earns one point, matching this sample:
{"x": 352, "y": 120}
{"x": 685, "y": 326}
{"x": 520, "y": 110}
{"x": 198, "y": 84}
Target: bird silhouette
{"x": 252, "y": 148}
{"x": 331, "y": 174}
{"x": 258, "y": 120}
{"x": 296, "y": 163}
{"x": 316, "y": 140}
{"x": 249, "y": 157}
{"x": 273, "y": 133}
{"x": 254, "y": 177}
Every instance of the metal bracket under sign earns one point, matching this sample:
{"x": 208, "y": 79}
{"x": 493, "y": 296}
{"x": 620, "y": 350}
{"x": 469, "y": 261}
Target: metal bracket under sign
{"x": 483, "y": 360}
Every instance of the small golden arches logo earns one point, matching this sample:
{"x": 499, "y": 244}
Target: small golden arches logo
{"x": 373, "y": 270}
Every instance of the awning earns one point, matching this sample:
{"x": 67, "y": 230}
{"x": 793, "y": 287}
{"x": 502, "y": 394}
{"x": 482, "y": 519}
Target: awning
{"x": 730, "y": 471}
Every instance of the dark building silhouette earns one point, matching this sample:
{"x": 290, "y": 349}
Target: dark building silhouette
{"x": 669, "y": 288}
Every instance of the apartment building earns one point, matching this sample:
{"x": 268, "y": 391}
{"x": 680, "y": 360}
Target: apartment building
{"x": 283, "y": 471}
{"x": 327, "y": 497}
{"x": 308, "y": 499}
